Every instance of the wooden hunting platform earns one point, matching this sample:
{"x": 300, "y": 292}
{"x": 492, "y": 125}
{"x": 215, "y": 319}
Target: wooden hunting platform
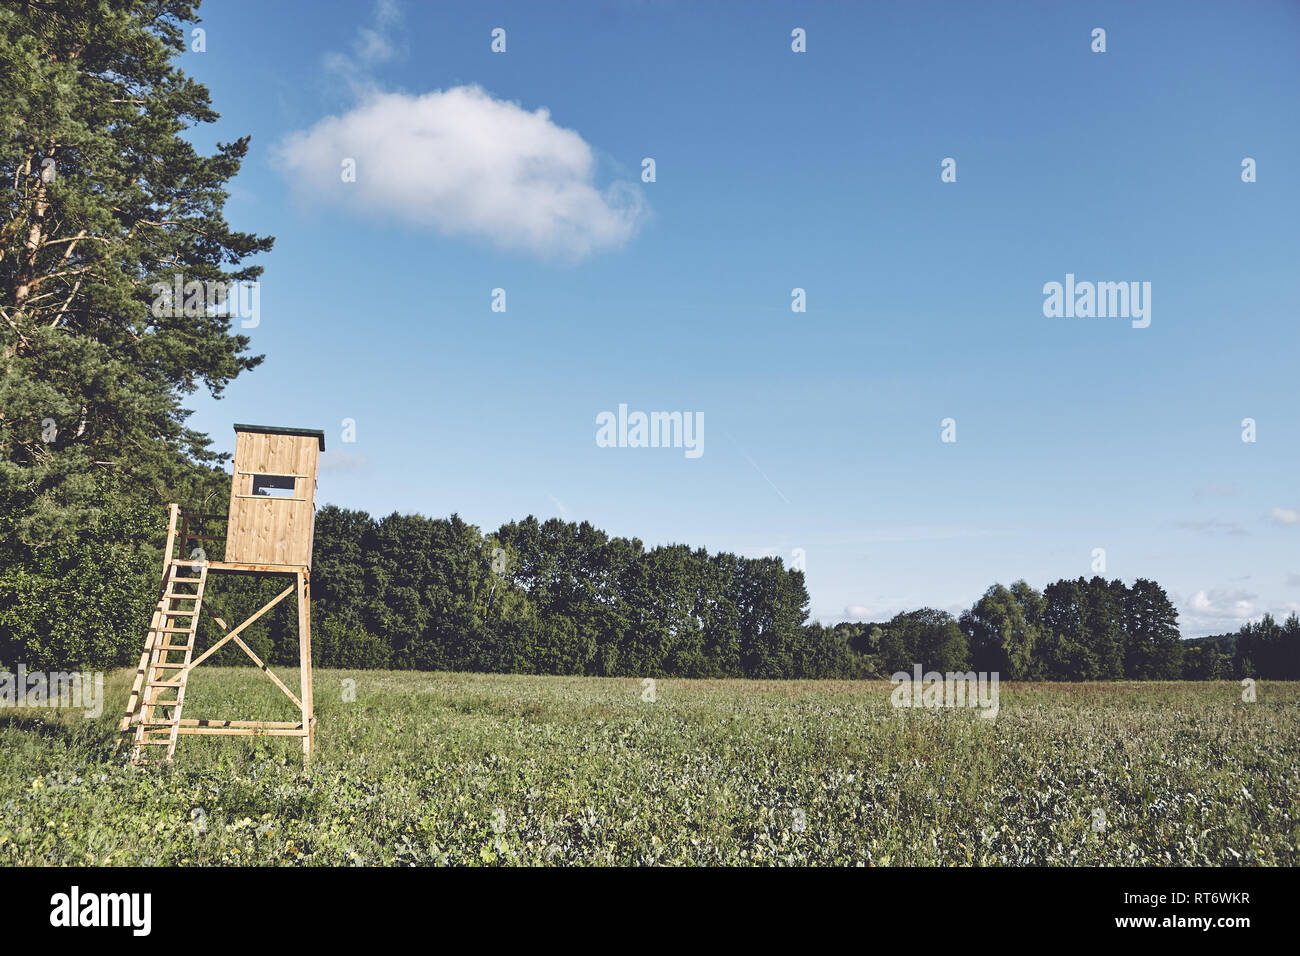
{"x": 266, "y": 534}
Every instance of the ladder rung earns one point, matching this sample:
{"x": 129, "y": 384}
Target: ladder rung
{"x": 159, "y": 720}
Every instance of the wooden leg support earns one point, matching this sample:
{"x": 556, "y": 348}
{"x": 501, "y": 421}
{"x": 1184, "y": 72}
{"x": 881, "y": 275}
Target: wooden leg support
{"x": 304, "y": 666}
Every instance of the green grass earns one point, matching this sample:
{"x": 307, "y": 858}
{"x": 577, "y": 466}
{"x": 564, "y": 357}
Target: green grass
{"x": 485, "y": 769}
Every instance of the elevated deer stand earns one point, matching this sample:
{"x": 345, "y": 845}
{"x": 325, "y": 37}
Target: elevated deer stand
{"x": 269, "y": 531}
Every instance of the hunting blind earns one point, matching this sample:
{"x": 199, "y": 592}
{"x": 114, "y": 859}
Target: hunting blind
{"x": 269, "y": 531}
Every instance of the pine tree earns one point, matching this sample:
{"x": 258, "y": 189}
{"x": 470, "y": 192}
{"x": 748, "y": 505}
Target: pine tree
{"x": 103, "y": 198}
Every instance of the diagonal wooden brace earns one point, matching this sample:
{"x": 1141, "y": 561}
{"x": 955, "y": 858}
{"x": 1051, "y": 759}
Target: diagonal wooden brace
{"x": 266, "y": 670}
{"x": 232, "y": 634}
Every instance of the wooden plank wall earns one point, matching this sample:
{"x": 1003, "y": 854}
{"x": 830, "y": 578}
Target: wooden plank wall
{"x": 269, "y": 530}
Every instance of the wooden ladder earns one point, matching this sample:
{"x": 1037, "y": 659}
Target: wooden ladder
{"x": 160, "y": 716}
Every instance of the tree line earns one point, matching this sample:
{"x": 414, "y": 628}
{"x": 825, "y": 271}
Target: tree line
{"x": 556, "y": 597}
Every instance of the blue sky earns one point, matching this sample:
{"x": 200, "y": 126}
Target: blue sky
{"x": 778, "y": 170}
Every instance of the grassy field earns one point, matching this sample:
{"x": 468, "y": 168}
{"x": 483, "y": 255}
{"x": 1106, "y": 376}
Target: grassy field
{"x": 484, "y": 769}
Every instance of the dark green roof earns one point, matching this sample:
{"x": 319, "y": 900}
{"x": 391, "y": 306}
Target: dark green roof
{"x": 277, "y": 430}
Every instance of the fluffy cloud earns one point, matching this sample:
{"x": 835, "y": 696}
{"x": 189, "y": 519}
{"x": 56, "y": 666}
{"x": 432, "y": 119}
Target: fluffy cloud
{"x": 371, "y": 47}
{"x": 1285, "y": 516}
{"x": 1222, "y": 604}
{"x": 463, "y": 163}
{"x": 1217, "y": 610}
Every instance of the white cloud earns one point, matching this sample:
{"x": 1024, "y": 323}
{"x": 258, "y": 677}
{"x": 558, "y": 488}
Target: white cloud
{"x": 1223, "y": 610}
{"x": 372, "y": 46}
{"x": 871, "y": 612}
{"x": 463, "y": 163}
{"x": 1218, "y": 610}
{"x": 1285, "y": 516}
{"x": 375, "y": 45}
